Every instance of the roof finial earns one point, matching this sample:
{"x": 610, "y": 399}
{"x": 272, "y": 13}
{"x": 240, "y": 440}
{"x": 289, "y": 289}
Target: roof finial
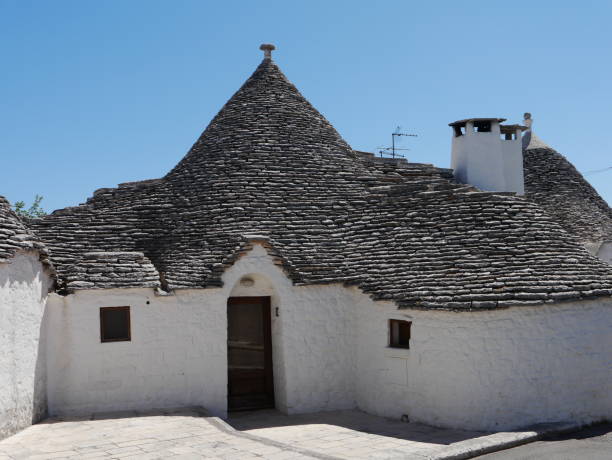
{"x": 527, "y": 121}
{"x": 267, "y": 48}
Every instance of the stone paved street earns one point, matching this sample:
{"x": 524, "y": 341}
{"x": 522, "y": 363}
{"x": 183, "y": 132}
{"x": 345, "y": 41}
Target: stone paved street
{"x": 350, "y": 434}
{"x": 184, "y": 434}
{"x": 590, "y": 443}
{"x": 190, "y": 434}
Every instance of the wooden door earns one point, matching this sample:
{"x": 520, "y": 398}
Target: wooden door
{"x": 249, "y": 353}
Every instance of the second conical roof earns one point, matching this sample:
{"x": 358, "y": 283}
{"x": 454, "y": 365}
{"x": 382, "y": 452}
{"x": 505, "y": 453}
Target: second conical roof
{"x": 553, "y": 182}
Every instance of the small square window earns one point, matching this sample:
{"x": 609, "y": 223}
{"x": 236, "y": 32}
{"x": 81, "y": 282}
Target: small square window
{"x": 115, "y": 324}
{"x": 399, "y": 333}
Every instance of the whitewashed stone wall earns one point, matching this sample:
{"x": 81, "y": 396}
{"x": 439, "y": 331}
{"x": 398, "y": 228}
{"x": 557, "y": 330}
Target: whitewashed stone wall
{"x": 485, "y": 160}
{"x": 23, "y": 291}
{"x": 177, "y": 355}
{"x": 488, "y": 370}
{"x": 178, "y": 352}
{"x": 493, "y": 370}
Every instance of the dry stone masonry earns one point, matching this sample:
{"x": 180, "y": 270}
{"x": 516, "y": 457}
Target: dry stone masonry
{"x": 553, "y": 182}
{"x": 15, "y": 236}
{"x": 270, "y": 165}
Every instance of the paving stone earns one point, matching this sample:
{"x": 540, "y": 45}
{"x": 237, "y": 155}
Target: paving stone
{"x": 258, "y": 435}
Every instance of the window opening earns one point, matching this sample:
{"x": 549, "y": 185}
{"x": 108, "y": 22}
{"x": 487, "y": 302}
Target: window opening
{"x": 399, "y": 333}
{"x": 115, "y": 324}
{"x": 482, "y": 126}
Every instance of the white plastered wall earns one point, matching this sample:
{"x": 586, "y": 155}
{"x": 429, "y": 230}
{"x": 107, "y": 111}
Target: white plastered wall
{"x": 490, "y": 370}
{"x": 23, "y": 290}
{"x": 512, "y": 154}
{"x": 476, "y": 158}
{"x": 485, "y": 160}
{"x": 487, "y": 370}
{"x": 178, "y": 352}
{"x": 176, "y": 355}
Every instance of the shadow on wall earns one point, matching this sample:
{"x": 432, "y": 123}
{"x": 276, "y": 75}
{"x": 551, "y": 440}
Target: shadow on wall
{"x": 23, "y": 291}
{"x": 39, "y": 401}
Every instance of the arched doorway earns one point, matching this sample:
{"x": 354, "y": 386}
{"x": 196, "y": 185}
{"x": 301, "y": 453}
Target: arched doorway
{"x": 249, "y": 353}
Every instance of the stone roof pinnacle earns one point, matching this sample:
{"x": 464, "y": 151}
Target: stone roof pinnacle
{"x": 530, "y": 139}
{"x": 267, "y": 48}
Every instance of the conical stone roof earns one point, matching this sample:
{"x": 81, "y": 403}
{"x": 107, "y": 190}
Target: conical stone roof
{"x": 269, "y": 127}
{"x": 270, "y": 168}
{"x": 553, "y": 182}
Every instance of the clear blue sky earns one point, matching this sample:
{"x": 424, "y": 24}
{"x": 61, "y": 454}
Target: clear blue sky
{"x": 94, "y": 93}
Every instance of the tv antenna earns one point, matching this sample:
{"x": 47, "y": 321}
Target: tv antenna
{"x": 393, "y": 149}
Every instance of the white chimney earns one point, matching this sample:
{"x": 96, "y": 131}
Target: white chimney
{"x": 487, "y": 154}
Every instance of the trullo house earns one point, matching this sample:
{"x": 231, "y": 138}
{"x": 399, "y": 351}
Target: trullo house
{"x": 275, "y": 266}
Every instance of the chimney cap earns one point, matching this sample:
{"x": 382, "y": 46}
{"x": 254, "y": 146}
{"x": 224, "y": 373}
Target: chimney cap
{"x": 464, "y": 122}
{"x": 511, "y": 128}
{"x": 267, "y": 48}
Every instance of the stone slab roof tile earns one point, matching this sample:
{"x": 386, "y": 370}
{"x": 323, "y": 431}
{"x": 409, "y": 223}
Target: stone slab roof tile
{"x": 556, "y": 185}
{"x": 16, "y": 236}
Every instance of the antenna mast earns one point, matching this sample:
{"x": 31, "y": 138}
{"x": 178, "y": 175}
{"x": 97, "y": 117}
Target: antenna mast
{"x": 392, "y": 150}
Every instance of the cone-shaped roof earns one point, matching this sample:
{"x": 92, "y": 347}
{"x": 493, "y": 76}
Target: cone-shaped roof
{"x": 270, "y": 136}
{"x": 270, "y": 165}
{"x": 266, "y": 118}
{"x": 553, "y": 182}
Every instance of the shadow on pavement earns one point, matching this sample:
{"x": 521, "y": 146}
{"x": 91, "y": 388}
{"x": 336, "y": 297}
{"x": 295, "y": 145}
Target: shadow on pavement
{"x": 350, "y": 420}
